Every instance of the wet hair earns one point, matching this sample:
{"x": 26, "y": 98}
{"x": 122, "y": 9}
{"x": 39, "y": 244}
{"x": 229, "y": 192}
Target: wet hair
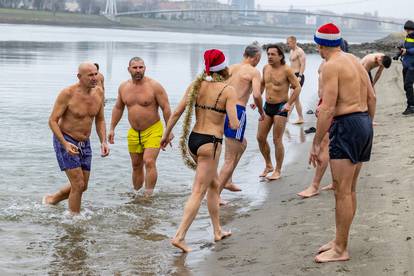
{"x": 279, "y": 51}
{"x": 97, "y": 66}
{"x": 292, "y": 38}
{"x": 135, "y": 59}
{"x": 386, "y": 61}
{"x": 252, "y": 50}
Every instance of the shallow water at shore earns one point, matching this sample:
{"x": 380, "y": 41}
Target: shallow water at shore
{"x": 118, "y": 231}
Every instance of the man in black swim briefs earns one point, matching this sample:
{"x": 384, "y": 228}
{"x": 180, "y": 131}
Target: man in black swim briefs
{"x": 297, "y": 59}
{"x": 346, "y": 111}
{"x": 277, "y": 79}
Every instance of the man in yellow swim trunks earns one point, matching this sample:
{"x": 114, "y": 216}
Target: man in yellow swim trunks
{"x": 142, "y": 96}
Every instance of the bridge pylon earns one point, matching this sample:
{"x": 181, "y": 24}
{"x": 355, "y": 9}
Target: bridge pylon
{"x": 110, "y": 10}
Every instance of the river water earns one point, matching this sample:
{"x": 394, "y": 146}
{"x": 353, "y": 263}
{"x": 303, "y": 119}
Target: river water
{"x": 118, "y": 232}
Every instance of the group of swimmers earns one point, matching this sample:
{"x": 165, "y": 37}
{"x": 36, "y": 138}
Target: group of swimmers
{"x": 219, "y": 97}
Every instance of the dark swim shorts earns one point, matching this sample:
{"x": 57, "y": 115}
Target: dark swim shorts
{"x": 302, "y": 79}
{"x": 351, "y": 137}
{"x": 370, "y": 77}
{"x": 275, "y": 109}
{"x": 66, "y": 161}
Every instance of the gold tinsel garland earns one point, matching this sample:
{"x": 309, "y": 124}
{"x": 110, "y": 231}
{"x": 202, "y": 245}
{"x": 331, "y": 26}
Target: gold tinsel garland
{"x": 192, "y": 95}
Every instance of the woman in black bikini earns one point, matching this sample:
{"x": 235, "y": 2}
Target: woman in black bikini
{"x": 212, "y": 98}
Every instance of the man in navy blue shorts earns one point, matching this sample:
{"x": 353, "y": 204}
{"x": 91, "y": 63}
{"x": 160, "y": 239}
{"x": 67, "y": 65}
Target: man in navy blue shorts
{"x": 75, "y": 109}
{"x": 346, "y": 111}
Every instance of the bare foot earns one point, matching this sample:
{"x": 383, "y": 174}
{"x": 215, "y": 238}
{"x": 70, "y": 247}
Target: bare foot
{"x": 326, "y": 247}
{"x": 298, "y": 122}
{"x": 222, "y": 235}
{"x": 332, "y": 256}
{"x": 327, "y": 187}
{"x": 47, "y": 199}
{"x": 181, "y": 245}
{"x": 223, "y": 202}
{"x": 232, "y": 187}
{"x": 275, "y": 176}
{"x": 266, "y": 171}
{"x": 309, "y": 192}
{"x": 149, "y": 192}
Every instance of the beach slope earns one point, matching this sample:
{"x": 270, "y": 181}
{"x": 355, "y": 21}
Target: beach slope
{"x": 282, "y": 236}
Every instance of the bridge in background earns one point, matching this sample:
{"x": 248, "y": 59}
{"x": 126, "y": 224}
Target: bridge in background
{"x": 112, "y": 14}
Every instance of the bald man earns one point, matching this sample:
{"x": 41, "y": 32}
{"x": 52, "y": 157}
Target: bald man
{"x": 75, "y": 109}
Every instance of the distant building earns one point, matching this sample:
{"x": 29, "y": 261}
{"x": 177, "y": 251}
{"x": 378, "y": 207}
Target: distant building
{"x": 328, "y": 16}
{"x": 243, "y": 4}
{"x": 72, "y": 6}
{"x": 353, "y": 22}
{"x": 246, "y": 16}
{"x": 298, "y": 19}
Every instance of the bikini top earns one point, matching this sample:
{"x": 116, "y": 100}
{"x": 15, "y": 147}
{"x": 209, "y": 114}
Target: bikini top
{"x": 213, "y": 108}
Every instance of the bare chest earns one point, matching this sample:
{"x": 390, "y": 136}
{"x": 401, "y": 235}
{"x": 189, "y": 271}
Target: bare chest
{"x": 275, "y": 78}
{"x": 84, "y": 106}
{"x": 141, "y": 97}
{"x": 294, "y": 56}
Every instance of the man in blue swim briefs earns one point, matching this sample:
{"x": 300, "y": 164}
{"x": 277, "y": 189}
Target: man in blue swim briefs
{"x": 245, "y": 79}
{"x": 278, "y": 77}
{"x": 346, "y": 111}
{"x": 75, "y": 109}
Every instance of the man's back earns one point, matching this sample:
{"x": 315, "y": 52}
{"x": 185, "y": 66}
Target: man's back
{"x": 370, "y": 61}
{"x": 345, "y": 72}
{"x": 241, "y": 80}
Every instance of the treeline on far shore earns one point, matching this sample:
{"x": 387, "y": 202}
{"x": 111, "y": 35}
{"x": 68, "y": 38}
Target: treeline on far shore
{"x": 81, "y": 6}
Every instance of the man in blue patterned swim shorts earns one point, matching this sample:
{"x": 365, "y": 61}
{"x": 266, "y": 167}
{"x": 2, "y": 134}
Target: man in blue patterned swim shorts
{"x": 75, "y": 109}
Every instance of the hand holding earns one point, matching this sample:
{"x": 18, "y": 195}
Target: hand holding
{"x": 71, "y": 148}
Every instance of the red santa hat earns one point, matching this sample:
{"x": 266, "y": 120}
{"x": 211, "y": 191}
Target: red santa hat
{"x": 214, "y": 61}
{"x": 328, "y": 35}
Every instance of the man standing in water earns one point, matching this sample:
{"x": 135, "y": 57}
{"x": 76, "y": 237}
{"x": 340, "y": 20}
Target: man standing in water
{"x": 100, "y": 78}
{"x": 71, "y": 123}
{"x": 297, "y": 63}
{"x": 245, "y": 78}
{"x": 277, "y": 78}
{"x": 142, "y": 96}
{"x": 347, "y": 110}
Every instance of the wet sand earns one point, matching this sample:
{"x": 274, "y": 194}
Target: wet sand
{"x": 282, "y": 236}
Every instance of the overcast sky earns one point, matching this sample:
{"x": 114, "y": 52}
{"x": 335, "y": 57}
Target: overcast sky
{"x": 393, "y": 8}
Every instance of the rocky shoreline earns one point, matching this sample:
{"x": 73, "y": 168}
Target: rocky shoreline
{"x": 385, "y": 45}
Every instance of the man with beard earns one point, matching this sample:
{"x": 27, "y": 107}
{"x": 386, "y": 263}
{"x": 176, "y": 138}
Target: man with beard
{"x": 142, "y": 96}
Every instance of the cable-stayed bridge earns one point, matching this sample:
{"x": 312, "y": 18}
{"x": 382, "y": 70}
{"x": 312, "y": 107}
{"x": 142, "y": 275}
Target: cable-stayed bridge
{"x": 112, "y": 13}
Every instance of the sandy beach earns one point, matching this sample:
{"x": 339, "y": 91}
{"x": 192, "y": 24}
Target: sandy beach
{"x": 282, "y": 236}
